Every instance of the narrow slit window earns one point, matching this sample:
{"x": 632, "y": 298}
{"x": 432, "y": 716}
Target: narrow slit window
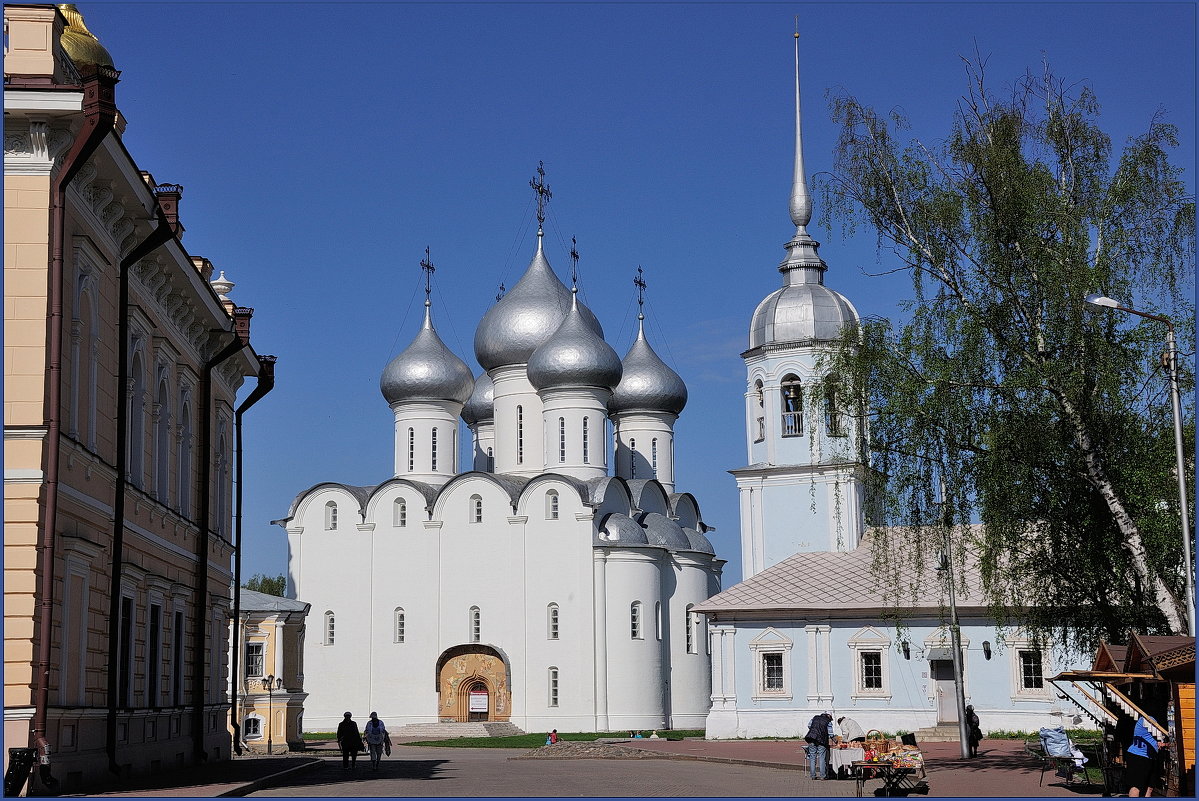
{"x": 398, "y": 624}
{"x": 476, "y": 624}
{"x": 411, "y": 450}
{"x": 561, "y": 439}
{"x": 553, "y": 688}
{"x": 520, "y": 435}
{"x": 476, "y": 507}
{"x": 552, "y": 622}
{"x": 586, "y": 447}
{"x": 400, "y": 513}
{"x": 433, "y": 451}
{"x": 632, "y": 458}
{"x": 653, "y": 449}
{"x": 635, "y": 620}
{"x": 331, "y": 516}
{"x": 551, "y": 505}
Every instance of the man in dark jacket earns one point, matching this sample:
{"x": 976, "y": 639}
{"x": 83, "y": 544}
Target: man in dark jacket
{"x": 349, "y": 740}
{"x": 817, "y": 745}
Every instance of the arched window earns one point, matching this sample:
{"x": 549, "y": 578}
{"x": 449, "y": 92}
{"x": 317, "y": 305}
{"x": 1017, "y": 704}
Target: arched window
{"x": 476, "y": 508}
{"x": 490, "y": 460}
{"x": 760, "y": 397}
{"x": 433, "y": 451}
{"x": 400, "y": 513}
{"x": 658, "y": 620}
{"x": 553, "y": 686}
{"x": 330, "y": 626}
{"x": 561, "y": 439}
{"x": 397, "y": 625}
{"x": 653, "y": 447}
{"x": 552, "y": 622}
{"x": 476, "y": 625}
{"x": 220, "y": 485}
{"x": 162, "y": 444}
{"x": 185, "y": 456}
{"x": 635, "y": 620}
{"x": 411, "y": 450}
{"x": 330, "y": 516}
{"x": 792, "y": 399}
{"x": 632, "y": 458}
{"x": 586, "y": 446}
{"x": 520, "y": 435}
{"x": 692, "y": 625}
{"x": 834, "y": 418}
{"x": 137, "y": 423}
{"x": 551, "y": 505}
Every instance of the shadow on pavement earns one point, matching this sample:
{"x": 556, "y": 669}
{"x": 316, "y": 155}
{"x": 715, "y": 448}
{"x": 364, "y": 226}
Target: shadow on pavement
{"x": 390, "y": 769}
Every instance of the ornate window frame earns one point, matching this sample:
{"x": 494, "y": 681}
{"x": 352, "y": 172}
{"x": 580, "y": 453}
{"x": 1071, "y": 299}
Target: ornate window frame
{"x": 771, "y": 642}
{"x": 869, "y": 640}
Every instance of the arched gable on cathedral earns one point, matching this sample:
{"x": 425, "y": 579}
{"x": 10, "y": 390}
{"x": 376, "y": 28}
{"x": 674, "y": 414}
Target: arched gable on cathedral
{"x": 649, "y": 496}
{"x": 348, "y": 501}
{"x": 416, "y": 497}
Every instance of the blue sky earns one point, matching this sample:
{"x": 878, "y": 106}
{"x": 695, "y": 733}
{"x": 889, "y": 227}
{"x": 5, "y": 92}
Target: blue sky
{"x": 323, "y": 146}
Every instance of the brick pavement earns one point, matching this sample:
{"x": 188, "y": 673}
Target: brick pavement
{"x": 1001, "y": 770}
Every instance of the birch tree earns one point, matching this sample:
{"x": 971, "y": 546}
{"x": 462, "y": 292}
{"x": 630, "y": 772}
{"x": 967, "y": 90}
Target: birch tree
{"x": 1047, "y": 420}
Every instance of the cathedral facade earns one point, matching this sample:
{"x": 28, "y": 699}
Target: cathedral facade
{"x": 538, "y": 585}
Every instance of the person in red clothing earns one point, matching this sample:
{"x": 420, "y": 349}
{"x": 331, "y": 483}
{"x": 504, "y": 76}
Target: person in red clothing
{"x": 553, "y": 736}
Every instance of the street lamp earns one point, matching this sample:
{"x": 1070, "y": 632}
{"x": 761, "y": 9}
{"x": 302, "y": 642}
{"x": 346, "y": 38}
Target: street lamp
{"x": 1170, "y": 361}
{"x": 270, "y": 684}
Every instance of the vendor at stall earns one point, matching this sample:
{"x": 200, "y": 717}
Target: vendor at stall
{"x": 850, "y": 730}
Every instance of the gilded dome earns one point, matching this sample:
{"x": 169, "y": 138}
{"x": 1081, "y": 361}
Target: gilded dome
{"x": 81, "y": 44}
{"x": 648, "y": 383}
{"x": 574, "y": 356}
{"x": 426, "y": 370}
{"x": 526, "y": 317}
{"x": 806, "y": 312}
{"x": 481, "y": 405}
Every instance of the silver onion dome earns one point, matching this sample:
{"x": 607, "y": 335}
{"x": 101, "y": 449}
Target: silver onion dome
{"x": 426, "y": 370}
{"x": 648, "y": 383}
{"x": 574, "y": 356}
{"x": 661, "y": 530}
{"x": 481, "y": 404}
{"x": 619, "y": 528}
{"x": 796, "y": 313}
{"x": 526, "y": 317}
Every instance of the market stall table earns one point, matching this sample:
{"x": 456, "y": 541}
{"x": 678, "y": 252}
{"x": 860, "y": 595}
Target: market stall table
{"x": 895, "y": 779}
{"x": 843, "y": 758}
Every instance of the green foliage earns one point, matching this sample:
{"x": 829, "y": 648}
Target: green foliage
{"x": 1047, "y": 419}
{"x": 269, "y": 585}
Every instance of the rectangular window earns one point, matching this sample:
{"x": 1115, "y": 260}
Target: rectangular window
{"x": 254, "y": 659}
{"x": 125, "y": 654}
{"x": 872, "y": 670}
{"x": 520, "y": 435}
{"x": 772, "y": 672}
{"x": 252, "y": 728}
{"x": 561, "y": 439}
{"x": 177, "y": 661}
{"x": 433, "y": 452}
{"x": 154, "y": 657}
{"x": 1031, "y": 676}
{"x": 586, "y": 448}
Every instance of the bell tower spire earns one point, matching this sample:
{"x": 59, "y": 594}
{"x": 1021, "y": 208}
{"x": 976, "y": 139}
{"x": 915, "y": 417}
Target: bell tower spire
{"x": 801, "y": 201}
{"x": 803, "y": 264}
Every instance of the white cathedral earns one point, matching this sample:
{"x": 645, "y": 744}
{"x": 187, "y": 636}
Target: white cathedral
{"x": 539, "y": 587}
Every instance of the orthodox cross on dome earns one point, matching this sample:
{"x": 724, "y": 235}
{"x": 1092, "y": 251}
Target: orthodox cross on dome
{"x": 543, "y": 193}
{"x": 639, "y": 282}
{"x": 427, "y": 265}
{"x": 574, "y": 264}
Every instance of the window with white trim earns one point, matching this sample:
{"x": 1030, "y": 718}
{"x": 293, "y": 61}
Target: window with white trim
{"x": 251, "y": 728}
{"x": 658, "y": 619}
{"x": 552, "y": 507}
{"x": 552, "y": 615}
{"x": 871, "y": 663}
{"x": 330, "y": 627}
{"x": 791, "y": 392}
{"x": 476, "y": 508}
{"x": 561, "y": 439}
{"x": 400, "y": 513}
{"x": 771, "y": 652}
{"x": 330, "y": 516}
{"x": 586, "y": 444}
{"x": 553, "y": 686}
{"x": 411, "y": 450}
{"x": 692, "y": 630}
{"x": 653, "y": 448}
{"x": 1031, "y": 675}
{"x": 520, "y": 435}
{"x": 255, "y": 656}
{"x": 397, "y": 624}
{"x": 635, "y": 620}
{"x": 1028, "y": 664}
{"x": 476, "y": 624}
{"x": 433, "y": 451}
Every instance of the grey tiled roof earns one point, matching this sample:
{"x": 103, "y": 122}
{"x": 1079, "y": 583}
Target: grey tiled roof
{"x": 254, "y": 601}
{"x": 827, "y": 581}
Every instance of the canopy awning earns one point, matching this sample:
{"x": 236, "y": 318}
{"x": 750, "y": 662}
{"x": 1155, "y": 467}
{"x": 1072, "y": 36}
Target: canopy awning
{"x": 932, "y": 654}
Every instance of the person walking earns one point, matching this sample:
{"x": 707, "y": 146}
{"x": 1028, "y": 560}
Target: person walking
{"x": 817, "y": 745}
{"x": 376, "y": 737}
{"x": 1141, "y": 761}
{"x": 975, "y": 732}
{"x": 349, "y": 740}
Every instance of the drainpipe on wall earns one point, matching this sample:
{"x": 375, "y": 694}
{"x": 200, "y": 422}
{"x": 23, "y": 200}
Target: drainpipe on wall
{"x": 99, "y": 118}
{"x": 201, "y": 602}
{"x": 266, "y": 382}
{"x": 159, "y": 236}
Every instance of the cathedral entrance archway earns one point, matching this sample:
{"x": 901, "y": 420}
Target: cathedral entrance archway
{"x": 473, "y": 684}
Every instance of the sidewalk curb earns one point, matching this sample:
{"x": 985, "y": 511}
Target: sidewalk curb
{"x": 266, "y": 781}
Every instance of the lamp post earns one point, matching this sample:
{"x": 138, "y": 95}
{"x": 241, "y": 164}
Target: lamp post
{"x": 1170, "y": 361}
{"x": 270, "y": 684}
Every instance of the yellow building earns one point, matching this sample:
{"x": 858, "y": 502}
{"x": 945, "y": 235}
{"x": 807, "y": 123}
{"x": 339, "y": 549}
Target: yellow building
{"x": 267, "y": 703}
{"x": 121, "y": 368}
